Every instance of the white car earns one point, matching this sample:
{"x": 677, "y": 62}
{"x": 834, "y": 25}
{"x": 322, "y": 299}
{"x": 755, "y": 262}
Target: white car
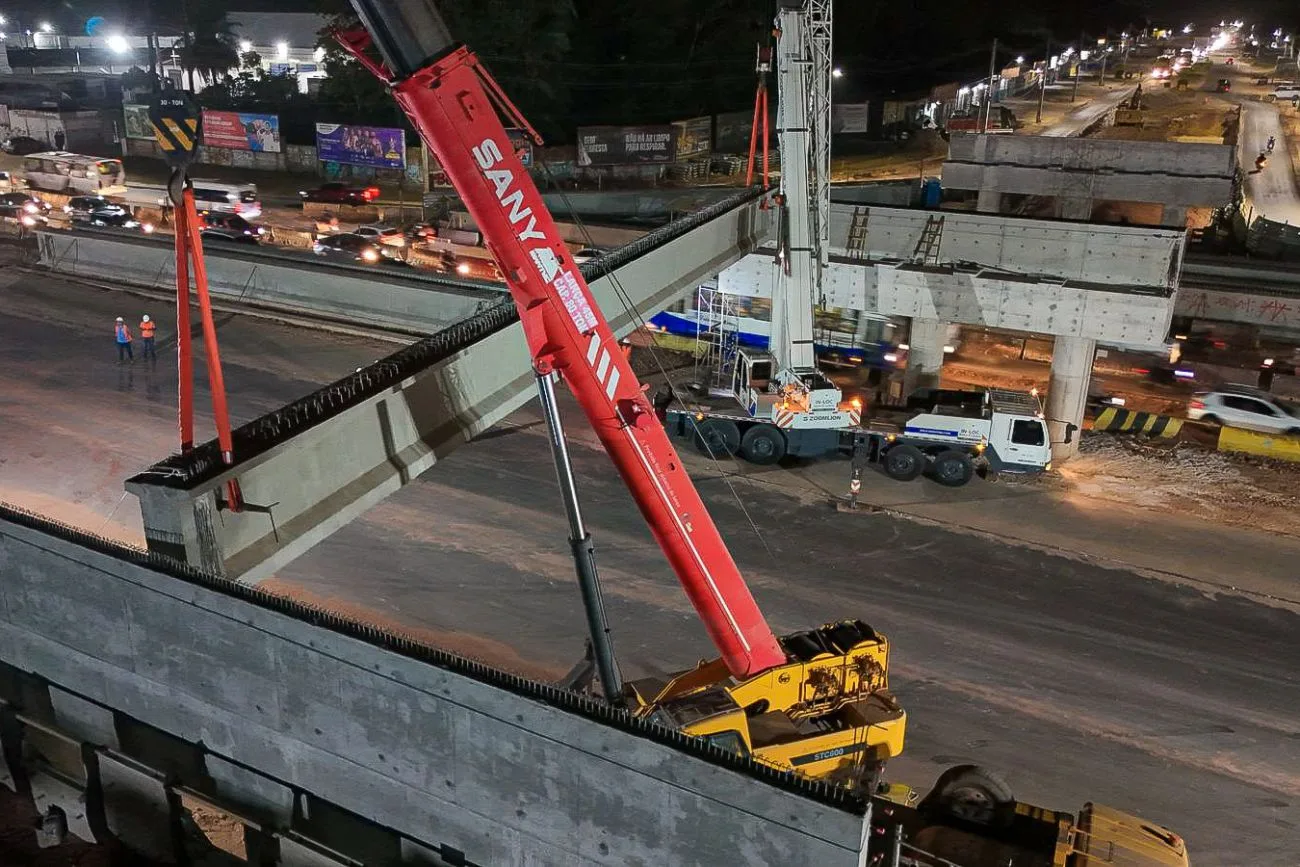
{"x": 389, "y": 236}
{"x": 1244, "y": 407}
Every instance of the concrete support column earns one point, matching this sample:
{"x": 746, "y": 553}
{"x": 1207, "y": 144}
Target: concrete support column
{"x": 924, "y": 354}
{"x": 1074, "y": 208}
{"x": 1174, "y": 216}
{"x": 989, "y": 202}
{"x": 1067, "y": 393}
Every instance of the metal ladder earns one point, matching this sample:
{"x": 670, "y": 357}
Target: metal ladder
{"x": 856, "y": 245}
{"x": 927, "y": 246}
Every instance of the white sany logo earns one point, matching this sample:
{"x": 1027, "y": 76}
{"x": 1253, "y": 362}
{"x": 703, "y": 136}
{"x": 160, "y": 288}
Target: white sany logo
{"x": 548, "y": 264}
{"x": 487, "y": 155}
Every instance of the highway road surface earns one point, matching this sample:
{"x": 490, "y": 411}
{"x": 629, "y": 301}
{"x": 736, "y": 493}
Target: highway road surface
{"x": 1086, "y": 115}
{"x": 1077, "y": 681}
{"x": 1271, "y": 192}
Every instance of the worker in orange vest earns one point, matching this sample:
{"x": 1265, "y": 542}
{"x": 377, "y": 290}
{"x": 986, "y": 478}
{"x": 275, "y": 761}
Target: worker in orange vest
{"x": 147, "y": 327}
{"x": 123, "y": 336}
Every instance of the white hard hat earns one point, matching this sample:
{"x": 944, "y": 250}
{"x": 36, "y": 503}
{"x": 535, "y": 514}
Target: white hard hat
{"x": 119, "y": 319}
{"x": 146, "y": 317}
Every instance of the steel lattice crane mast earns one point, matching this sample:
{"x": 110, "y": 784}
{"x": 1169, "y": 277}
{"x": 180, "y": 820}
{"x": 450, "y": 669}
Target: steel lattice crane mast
{"x": 816, "y": 701}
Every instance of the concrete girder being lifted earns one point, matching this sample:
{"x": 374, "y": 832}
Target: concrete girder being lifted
{"x": 316, "y": 465}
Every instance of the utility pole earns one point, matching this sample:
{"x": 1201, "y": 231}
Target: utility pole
{"x": 1078, "y": 68}
{"x": 988, "y": 96}
{"x": 1042, "y": 81}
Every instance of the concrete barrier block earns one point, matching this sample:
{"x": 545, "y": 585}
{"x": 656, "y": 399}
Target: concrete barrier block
{"x": 138, "y": 809}
{"x": 1286, "y": 448}
{"x": 1130, "y": 421}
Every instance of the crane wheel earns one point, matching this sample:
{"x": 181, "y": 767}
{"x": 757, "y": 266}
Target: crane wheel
{"x": 763, "y": 444}
{"x": 717, "y": 437}
{"x": 969, "y": 793}
{"x": 903, "y": 463}
{"x": 952, "y": 468}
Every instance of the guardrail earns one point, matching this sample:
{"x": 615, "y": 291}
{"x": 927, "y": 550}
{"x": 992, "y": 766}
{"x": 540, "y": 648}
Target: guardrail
{"x": 405, "y": 300}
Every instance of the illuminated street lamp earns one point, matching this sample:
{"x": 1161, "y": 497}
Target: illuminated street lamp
{"x": 245, "y": 46}
{"x": 282, "y": 50}
{"x": 1020, "y": 60}
{"x": 837, "y": 73}
{"x": 118, "y": 44}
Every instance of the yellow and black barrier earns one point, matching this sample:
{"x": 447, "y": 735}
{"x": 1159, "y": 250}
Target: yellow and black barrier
{"x": 1280, "y": 446}
{"x": 1119, "y": 420}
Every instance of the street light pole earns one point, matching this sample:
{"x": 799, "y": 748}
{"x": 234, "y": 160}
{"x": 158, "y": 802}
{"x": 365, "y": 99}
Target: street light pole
{"x": 988, "y": 95}
{"x": 1042, "y": 81}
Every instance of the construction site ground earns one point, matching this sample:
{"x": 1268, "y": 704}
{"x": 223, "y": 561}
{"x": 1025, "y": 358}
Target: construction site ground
{"x": 1171, "y": 113}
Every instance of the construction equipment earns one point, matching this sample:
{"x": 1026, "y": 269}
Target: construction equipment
{"x": 795, "y": 408}
{"x": 816, "y": 701}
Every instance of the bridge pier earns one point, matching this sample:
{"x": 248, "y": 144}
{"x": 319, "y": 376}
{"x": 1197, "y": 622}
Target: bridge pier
{"x": 924, "y": 354}
{"x": 1067, "y": 391}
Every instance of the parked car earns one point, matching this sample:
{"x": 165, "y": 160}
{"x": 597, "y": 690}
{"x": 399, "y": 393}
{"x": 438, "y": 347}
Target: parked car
{"x": 391, "y": 237}
{"x": 336, "y": 193}
{"x": 229, "y": 227}
{"x": 1244, "y": 407}
{"x": 24, "y": 208}
{"x": 349, "y": 247}
{"x": 78, "y": 208}
{"x": 22, "y": 145}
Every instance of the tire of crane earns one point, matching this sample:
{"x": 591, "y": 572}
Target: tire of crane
{"x": 971, "y": 794}
{"x": 903, "y": 462}
{"x": 763, "y": 444}
{"x": 952, "y": 468}
{"x": 717, "y": 437}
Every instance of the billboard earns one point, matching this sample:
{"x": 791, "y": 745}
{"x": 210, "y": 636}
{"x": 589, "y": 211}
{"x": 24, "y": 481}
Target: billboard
{"x": 378, "y": 147}
{"x": 622, "y": 145}
{"x": 850, "y": 117}
{"x": 694, "y": 137}
{"x": 137, "y": 123}
{"x": 241, "y": 131}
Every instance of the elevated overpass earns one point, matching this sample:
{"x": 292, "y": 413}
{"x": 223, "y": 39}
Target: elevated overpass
{"x": 1080, "y": 282}
{"x": 1241, "y": 291}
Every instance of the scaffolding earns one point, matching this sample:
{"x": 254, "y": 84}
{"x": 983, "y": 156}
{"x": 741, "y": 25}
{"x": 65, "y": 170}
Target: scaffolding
{"x": 717, "y": 331}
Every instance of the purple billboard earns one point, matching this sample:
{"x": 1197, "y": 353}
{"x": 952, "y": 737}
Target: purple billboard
{"x": 377, "y": 147}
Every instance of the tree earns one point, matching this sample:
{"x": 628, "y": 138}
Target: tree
{"x": 208, "y": 44}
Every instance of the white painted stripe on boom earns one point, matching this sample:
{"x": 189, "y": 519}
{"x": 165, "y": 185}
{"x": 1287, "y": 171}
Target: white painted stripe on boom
{"x": 699, "y": 561}
{"x": 603, "y": 366}
{"x": 613, "y": 383}
{"x": 592, "y": 347}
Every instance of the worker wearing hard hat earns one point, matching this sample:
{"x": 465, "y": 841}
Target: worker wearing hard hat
{"x": 122, "y": 335}
{"x": 147, "y": 328}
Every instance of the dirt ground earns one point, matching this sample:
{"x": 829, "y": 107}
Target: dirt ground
{"x": 1171, "y": 113}
{"x": 18, "y": 843}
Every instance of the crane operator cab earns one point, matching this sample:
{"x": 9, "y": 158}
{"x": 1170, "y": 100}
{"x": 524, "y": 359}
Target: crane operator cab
{"x": 827, "y": 713}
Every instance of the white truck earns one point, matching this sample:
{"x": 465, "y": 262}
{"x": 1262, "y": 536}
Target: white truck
{"x": 948, "y": 435}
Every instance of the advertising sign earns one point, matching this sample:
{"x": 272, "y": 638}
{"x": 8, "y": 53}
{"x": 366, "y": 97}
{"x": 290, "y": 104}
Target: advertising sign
{"x": 137, "y": 123}
{"x": 850, "y": 117}
{"x": 694, "y": 137}
{"x": 241, "y": 131}
{"x": 378, "y": 147}
{"x": 523, "y": 146}
{"x": 622, "y": 145}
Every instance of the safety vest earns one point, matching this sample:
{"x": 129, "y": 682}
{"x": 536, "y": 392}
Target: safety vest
{"x": 146, "y": 329}
{"x": 122, "y": 332}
